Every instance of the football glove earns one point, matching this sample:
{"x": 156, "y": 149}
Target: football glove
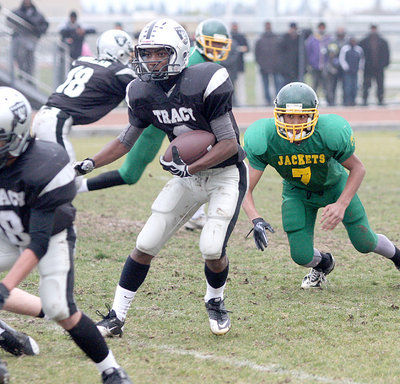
{"x": 260, "y": 234}
{"x": 4, "y": 293}
{"x": 83, "y": 167}
{"x": 177, "y": 166}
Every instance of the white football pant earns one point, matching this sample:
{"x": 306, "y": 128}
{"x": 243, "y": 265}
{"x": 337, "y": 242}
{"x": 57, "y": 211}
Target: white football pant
{"x": 223, "y": 189}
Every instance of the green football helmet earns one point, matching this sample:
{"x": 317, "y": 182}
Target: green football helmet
{"x": 213, "y": 39}
{"x": 296, "y": 99}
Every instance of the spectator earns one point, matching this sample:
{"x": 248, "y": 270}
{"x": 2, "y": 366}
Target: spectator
{"x": 351, "y": 60}
{"x": 28, "y": 25}
{"x": 73, "y": 34}
{"x": 290, "y": 48}
{"x": 242, "y": 47}
{"x": 316, "y": 50}
{"x": 331, "y": 72}
{"x": 340, "y": 40}
{"x": 267, "y": 58}
{"x": 377, "y": 58}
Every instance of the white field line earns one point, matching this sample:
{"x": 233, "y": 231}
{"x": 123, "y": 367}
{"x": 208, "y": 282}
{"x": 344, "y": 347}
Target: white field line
{"x": 269, "y": 368}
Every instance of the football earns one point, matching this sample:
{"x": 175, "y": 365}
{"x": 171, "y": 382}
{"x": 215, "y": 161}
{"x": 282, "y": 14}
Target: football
{"x": 191, "y": 145}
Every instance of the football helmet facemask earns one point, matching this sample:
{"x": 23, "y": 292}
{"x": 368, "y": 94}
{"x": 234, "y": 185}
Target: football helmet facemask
{"x": 296, "y": 99}
{"x": 213, "y": 40}
{"x": 115, "y": 45}
{"x": 169, "y": 38}
{"x": 15, "y": 122}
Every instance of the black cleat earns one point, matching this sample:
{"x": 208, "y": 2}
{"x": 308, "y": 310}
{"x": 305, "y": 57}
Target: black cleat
{"x": 110, "y": 326}
{"x": 218, "y": 316}
{"x": 17, "y": 343}
{"x": 115, "y": 376}
{"x": 317, "y": 277}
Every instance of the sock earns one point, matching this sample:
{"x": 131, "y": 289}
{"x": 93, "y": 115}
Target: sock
{"x": 325, "y": 262}
{"x": 316, "y": 259}
{"x": 88, "y": 338}
{"x": 215, "y": 283}
{"x": 122, "y": 302}
{"x": 132, "y": 276}
{"x": 83, "y": 187}
{"x": 396, "y": 258}
{"x": 385, "y": 247}
{"x": 41, "y": 314}
{"x": 199, "y": 212}
{"x": 105, "y": 180}
{"x": 107, "y": 363}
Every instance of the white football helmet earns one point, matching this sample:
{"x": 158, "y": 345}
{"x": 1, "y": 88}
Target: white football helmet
{"x": 15, "y": 123}
{"x": 115, "y": 45}
{"x": 161, "y": 34}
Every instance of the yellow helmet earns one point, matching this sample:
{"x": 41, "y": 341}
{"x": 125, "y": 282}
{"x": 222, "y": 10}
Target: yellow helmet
{"x": 212, "y": 31}
{"x": 299, "y": 99}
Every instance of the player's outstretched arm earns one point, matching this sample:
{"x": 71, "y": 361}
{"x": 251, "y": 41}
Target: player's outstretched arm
{"x": 19, "y": 271}
{"x": 260, "y": 225}
{"x": 333, "y": 214}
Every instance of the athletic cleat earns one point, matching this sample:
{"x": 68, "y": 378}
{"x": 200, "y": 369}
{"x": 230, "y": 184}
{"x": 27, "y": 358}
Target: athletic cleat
{"x": 196, "y": 223}
{"x": 17, "y": 343}
{"x": 4, "y": 375}
{"x": 115, "y": 376}
{"x": 218, "y": 316}
{"x": 317, "y": 278}
{"x": 110, "y": 326}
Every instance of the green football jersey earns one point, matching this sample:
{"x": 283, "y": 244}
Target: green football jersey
{"x": 195, "y": 57}
{"x": 312, "y": 164}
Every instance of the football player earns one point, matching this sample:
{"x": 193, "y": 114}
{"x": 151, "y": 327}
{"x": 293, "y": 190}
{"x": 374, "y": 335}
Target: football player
{"x": 213, "y": 43}
{"x": 176, "y": 99}
{"x": 94, "y": 86}
{"x": 36, "y": 220}
{"x": 311, "y": 152}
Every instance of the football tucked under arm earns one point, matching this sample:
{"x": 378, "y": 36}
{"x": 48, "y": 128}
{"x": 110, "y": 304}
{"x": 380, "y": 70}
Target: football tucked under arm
{"x": 191, "y": 145}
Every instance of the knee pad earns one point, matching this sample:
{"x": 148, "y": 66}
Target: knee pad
{"x": 212, "y": 238}
{"x": 150, "y": 238}
{"x": 53, "y": 296}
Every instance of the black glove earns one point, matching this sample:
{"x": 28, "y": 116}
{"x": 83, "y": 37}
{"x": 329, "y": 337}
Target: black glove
{"x": 4, "y": 293}
{"x": 260, "y": 235}
{"x": 83, "y": 167}
{"x": 177, "y": 166}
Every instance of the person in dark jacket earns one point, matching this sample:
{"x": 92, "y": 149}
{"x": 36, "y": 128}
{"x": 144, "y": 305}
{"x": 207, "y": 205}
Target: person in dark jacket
{"x": 377, "y": 58}
{"x": 28, "y": 26}
{"x": 267, "y": 58}
{"x": 73, "y": 34}
{"x": 290, "y": 48}
{"x": 240, "y": 47}
{"x": 351, "y": 59}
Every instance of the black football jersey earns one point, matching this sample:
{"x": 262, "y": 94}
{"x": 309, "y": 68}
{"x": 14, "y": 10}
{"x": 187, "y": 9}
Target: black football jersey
{"x": 92, "y": 89}
{"x": 36, "y": 192}
{"x": 201, "y": 93}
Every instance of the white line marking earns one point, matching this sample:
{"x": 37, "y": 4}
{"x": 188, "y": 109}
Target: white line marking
{"x": 270, "y": 368}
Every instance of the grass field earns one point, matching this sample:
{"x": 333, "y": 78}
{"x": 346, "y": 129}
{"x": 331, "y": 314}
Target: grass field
{"x": 348, "y": 333}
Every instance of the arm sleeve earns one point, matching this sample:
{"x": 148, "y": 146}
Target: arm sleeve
{"x": 129, "y": 135}
{"x": 222, "y": 128}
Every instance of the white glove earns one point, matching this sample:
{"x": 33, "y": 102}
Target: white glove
{"x": 177, "y": 166}
{"x": 83, "y": 167}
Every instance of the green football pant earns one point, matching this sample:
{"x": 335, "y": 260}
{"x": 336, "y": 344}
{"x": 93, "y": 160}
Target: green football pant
{"x": 142, "y": 153}
{"x": 299, "y": 212}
